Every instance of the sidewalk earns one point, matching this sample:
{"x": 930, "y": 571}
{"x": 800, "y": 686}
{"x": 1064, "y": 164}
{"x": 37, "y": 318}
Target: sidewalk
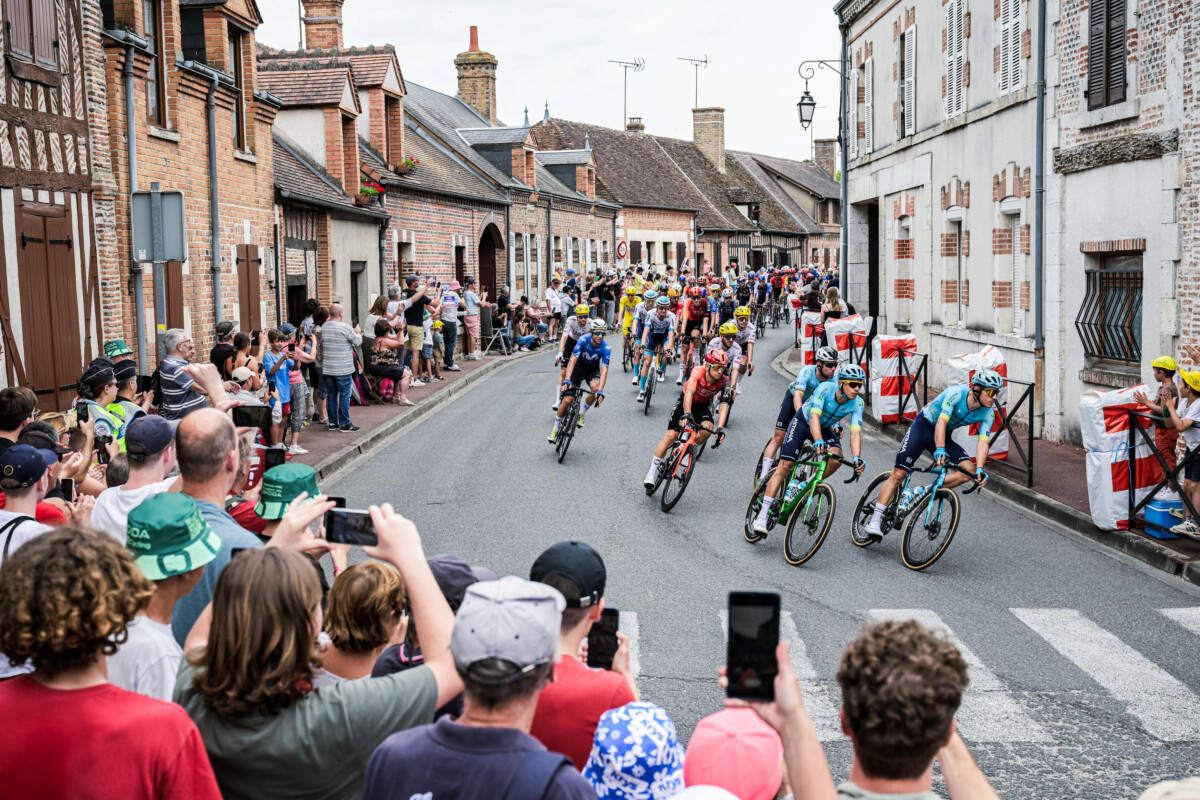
{"x": 1059, "y": 493}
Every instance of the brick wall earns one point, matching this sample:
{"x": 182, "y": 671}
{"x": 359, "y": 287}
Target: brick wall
{"x": 1002, "y": 296}
{"x": 905, "y": 248}
{"x": 904, "y": 289}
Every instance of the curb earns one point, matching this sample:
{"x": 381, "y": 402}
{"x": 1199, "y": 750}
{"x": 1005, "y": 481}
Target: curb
{"x": 337, "y": 462}
{"x": 1145, "y": 550}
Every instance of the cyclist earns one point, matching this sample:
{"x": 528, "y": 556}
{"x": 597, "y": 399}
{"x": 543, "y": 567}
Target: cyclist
{"x": 956, "y": 407}
{"x": 643, "y": 310}
{"x": 629, "y": 303}
{"x": 707, "y": 381}
{"x": 814, "y": 422}
{"x": 744, "y": 338}
{"x": 726, "y": 342}
{"x": 743, "y": 292}
{"x": 588, "y": 364}
{"x": 658, "y": 331}
{"x": 726, "y": 306}
{"x": 796, "y": 394}
{"x": 776, "y": 285}
{"x": 574, "y": 329}
{"x": 693, "y": 323}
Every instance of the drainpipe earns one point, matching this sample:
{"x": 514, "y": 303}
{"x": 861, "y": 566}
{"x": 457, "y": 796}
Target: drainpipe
{"x": 613, "y": 252}
{"x": 1039, "y": 266}
{"x": 383, "y": 243}
{"x": 510, "y": 252}
{"x": 214, "y": 196}
{"x": 279, "y": 272}
{"x": 844, "y": 258}
{"x": 549, "y": 241}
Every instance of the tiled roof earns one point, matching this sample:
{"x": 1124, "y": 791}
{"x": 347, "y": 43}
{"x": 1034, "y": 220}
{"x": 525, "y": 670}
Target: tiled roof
{"x": 370, "y": 63}
{"x": 304, "y": 179}
{"x": 803, "y": 219}
{"x": 803, "y": 173}
{"x": 476, "y": 136}
{"x": 298, "y": 84}
{"x": 564, "y": 156}
{"x": 436, "y": 172}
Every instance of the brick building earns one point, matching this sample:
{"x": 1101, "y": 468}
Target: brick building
{"x": 193, "y": 93}
{"x": 56, "y": 196}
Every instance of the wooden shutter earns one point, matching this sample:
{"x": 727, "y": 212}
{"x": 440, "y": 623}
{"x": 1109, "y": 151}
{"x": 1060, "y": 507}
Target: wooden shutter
{"x": 852, "y": 134}
{"x": 174, "y": 291}
{"x": 1097, "y": 78}
{"x": 1116, "y": 52}
{"x": 20, "y": 28}
{"x": 910, "y": 80}
{"x": 868, "y": 106}
{"x": 248, "y": 264}
{"x": 45, "y": 34}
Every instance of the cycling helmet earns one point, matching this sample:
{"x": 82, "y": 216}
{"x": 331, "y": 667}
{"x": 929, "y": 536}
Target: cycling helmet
{"x": 673, "y": 291}
{"x": 676, "y": 288}
{"x": 650, "y": 294}
{"x": 988, "y": 379}
{"x": 728, "y": 328}
{"x": 663, "y": 302}
{"x": 717, "y": 358}
{"x": 583, "y": 310}
{"x": 726, "y": 293}
{"x": 598, "y": 326}
{"x": 827, "y": 354}
{"x": 630, "y": 290}
{"x": 741, "y": 311}
{"x": 851, "y": 372}
{"x": 695, "y": 291}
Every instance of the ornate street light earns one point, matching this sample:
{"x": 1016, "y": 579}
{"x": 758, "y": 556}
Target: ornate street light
{"x": 806, "y": 107}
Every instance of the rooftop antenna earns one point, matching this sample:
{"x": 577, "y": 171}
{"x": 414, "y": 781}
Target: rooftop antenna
{"x": 637, "y": 65}
{"x": 697, "y": 63}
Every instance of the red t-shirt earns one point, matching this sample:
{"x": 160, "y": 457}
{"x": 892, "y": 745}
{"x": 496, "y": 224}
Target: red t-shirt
{"x": 569, "y": 709}
{"x": 46, "y": 513}
{"x": 101, "y": 742}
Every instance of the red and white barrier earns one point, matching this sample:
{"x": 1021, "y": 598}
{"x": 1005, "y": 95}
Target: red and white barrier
{"x": 808, "y": 329}
{"x": 847, "y": 333}
{"x": 960, "y": 371}
{"x": 888, "y": 385}
{"x": 1104, "y": 423}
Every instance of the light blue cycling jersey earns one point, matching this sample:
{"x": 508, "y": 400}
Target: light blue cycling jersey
{"x": 952, "y": 405}
{"x": 594, "y": 355}
{"x": 660, "y": 325}
{"x": 807, "y": 380}
{"x": 824, "y": 402}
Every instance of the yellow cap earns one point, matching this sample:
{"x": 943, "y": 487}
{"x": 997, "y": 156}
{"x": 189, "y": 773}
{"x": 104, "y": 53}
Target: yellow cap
{"x": 1192, "y": 379}
{"x": 1164, "y": 362}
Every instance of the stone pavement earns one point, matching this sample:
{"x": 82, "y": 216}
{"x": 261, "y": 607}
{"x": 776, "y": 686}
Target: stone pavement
{"x": 1059, "y": 492}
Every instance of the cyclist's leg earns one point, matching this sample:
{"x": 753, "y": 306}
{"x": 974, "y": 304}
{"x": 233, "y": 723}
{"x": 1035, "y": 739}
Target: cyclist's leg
{"x": 835, "y": 447}
{"x": 956, "y": 455}
{"x": 594, "y": 385}
{"x": 674, "y": 427}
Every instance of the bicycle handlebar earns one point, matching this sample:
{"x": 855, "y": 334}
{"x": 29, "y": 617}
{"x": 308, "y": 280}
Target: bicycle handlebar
{"x": 934, "y": 468}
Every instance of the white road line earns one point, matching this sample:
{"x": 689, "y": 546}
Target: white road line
{"x": 629, "y": 627}
{"x": 1165, "y": 707}
{"x": 989, "y": 713}
{"x": 821, "y": 708}
{"x": 1187, "y": 617}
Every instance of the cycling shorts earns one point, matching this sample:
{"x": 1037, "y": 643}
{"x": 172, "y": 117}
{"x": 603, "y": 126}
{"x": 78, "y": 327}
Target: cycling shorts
{"x": 701, "y": 412}
{"x": 581, "y": 375}
{"x": 919, "y": 439}
{"x": 799, "y": 432}
{"x": 568, "y": 351}
{"x": 656, "y": 339}
{"x": 787, "y": 410}
{"x": 693, "y": 327}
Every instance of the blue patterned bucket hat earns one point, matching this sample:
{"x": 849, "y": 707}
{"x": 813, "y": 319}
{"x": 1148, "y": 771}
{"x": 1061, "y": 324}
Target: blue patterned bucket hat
{"x": 636, "y": 755}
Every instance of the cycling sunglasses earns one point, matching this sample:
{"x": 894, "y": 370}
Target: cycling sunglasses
{"x": 991, "y": 392}
{"x": 853, "y": 384}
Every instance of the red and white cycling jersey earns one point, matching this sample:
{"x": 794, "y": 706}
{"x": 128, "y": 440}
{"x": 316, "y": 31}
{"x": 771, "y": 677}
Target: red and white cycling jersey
{"x": 702, "y": 390}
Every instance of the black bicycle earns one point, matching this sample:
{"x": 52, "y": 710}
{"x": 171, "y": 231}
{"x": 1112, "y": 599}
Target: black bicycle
{"x": 570, "y": 423}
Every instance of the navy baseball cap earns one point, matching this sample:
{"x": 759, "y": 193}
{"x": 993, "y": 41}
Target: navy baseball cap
{"x": 410, "y": 280}
{"x": 147, "y": 436}
{"x": 577, "y": 562}
{"x": 125, "y": 370}
{"x": 287, "y": 329}
{"x": 22, "y": 466}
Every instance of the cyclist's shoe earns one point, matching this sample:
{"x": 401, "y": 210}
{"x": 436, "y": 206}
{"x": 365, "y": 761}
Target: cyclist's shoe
{"x": 635, "y": 380}
{"x": 662, "y": 374}
{"x": 760, "y": 524}
{"x": 679, "y": 381}
{"x": 739, "y": 389}
{"x": 651, "y": 476}
{"x": 641, "y": 397}
{"x": 553, "y": 437}
{"x": 871, "y": 529}
{"x": 580, "y": 424}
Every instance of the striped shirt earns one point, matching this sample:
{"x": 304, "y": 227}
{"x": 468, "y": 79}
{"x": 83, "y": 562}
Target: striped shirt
{"x": 180, "y": 397}
{"x": 337, "y": 342}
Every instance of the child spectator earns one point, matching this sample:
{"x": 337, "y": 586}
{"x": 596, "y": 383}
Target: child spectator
{"x": 297, "y": 388}
{"x": 1185, "y": 419}
{"x": 363, "y": 615}
{"x": 278, "y": 366}
{"x": 636, "y": 754}
{"x": 1166, "y": 438}
{"x": 735, "y": 750}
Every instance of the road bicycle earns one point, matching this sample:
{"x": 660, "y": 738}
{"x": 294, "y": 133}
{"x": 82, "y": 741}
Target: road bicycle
{"x": 627, "y": 353}
{"x": 929, "y": 524}
{"x": 569, "y": 424}
{"x": 676, "y": 469}
{"x": 808, "y": 513}
{"x": 758, "y": 473}
{"x": 656, "y": 371}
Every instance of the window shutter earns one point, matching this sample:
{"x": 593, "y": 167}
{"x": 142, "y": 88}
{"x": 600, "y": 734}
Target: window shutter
{"x": 1005, "y": 47}
{"x": 1014, "y": 45}
{"x": 910, "y": 80}
{"x": 1097, "y": 38}
{"x": 852, "y": 134}
{"x": 20, "y": 28}
{"x": 1116, "y": 52}
{"x": 869, "y": 106}
{"x": 44, "y": 33}
{"x": 950, "y": 57}
{"x": 899, "y": 90}
{"x": 960, "y": 47}
{"x": 955, "y": 102}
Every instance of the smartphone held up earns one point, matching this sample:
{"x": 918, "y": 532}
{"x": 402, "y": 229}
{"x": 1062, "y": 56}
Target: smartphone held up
{"x": 753, "y": 637}
{"x": 602, "y": 639}
{"x": 350, "y": 526}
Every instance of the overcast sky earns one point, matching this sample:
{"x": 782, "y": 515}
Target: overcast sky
{"x": 556, "y": 51}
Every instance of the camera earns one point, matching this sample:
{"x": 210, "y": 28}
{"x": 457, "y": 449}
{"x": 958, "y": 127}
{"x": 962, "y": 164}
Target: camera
{"x": 100, "y": 447}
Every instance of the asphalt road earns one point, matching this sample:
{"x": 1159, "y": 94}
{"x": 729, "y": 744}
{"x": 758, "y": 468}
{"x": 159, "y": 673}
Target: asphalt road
{"x": 1084, "y": 676}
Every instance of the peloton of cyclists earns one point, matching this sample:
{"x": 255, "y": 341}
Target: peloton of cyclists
{"x": 956, "y": 407}
{"x": 814, "y": 422}
{"x": 706, "y": 382}
{"x": 588, "y": 365}
{"x": 658, "y": 331}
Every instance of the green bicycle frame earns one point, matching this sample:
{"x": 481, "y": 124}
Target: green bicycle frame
{"x": 785, "y": 509}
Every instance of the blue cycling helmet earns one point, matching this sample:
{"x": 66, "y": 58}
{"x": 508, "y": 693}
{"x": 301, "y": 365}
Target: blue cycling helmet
{"x": 988, "y": 379}
{"x": 851, "y": 372}
{"x": 650, "y": 294}
{"x": 663, "y": 301}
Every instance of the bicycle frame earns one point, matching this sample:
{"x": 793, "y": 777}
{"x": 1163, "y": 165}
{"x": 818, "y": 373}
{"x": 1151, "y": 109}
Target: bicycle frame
{"x": 785, "y": 508}
{"x": 932, "y": 489}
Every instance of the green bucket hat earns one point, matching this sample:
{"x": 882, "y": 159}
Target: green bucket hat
{"x": 117, "y": 347}
{"x": 168, "y": 536}
{"x": 283, "y": 484}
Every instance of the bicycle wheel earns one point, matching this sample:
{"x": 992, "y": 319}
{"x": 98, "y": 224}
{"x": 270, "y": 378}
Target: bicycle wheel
{"x": 864, "y": 509}
{"x": 926, "y": 540}
{"x": 752, "y": 510}
{"x": 677, "y": 478}
{"x": 651, "y": 379}
{"x": 627, "y": 357}
{"x": 568, "y": 429}
{"x": 809, "y": 525}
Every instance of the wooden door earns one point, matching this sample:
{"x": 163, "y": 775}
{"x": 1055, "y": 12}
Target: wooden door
{"x": 174, "y": 280}
{"x": 249, "y": 265}
{"x": 49, "y": 309}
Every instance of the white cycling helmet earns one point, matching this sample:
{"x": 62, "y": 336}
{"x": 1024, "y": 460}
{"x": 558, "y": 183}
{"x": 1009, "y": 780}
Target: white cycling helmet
{"x": 598, "y": 326}
{"x": 727, "y": 293}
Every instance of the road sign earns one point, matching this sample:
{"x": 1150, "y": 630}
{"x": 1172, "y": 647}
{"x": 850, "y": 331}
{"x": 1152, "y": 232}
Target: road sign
{"x": 622, "y": 249}
{"x": 173, "y": 241}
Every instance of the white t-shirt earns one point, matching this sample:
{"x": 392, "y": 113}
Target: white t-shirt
{"x": 1191, "y": 411}
{"x": 21, "y": 534}
{"x": 111, "y": 511}
{"x": 148, "y": 662}
{"x": 552, "y": 299}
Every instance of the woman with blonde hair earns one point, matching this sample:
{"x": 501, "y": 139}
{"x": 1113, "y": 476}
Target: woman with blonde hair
{"x": 364, "y": 614}
{"x": 833, "y": 308}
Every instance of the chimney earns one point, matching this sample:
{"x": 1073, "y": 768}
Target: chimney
{"x": 825, "y": 155}
{"x": 635, "y": 125}
{"x": 322, "y": 23}
{"x": 708, "y": 134}
{"x": 477, "y": 79}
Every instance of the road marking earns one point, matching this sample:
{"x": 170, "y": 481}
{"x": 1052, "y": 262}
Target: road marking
{"x": 821, "y": 708}
{"x": 989, "y": 713}
{"x": 1187, "y": 617}
{"x": 629, "y": 626}
{"x": 1165, "y": 707}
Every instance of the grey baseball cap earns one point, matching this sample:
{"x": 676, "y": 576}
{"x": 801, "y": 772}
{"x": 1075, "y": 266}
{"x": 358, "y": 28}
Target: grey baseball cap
{"x": 510, "y": 619}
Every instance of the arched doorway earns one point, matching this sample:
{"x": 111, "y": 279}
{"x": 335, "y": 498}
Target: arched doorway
{"x": 489, "y": 243}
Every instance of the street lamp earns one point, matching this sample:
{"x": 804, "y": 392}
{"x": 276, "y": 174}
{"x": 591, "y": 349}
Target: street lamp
{"x": 806, "y": 107}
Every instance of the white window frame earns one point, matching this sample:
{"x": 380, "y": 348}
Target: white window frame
{"x": 1010, "y": 79}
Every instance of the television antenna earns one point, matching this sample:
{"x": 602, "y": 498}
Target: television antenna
{"x": 697, "y": 63}
{"x": 637, "y": 65}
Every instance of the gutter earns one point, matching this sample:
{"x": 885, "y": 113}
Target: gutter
{"x": 296, "y": 197}
{"x": 1039, "y": 272}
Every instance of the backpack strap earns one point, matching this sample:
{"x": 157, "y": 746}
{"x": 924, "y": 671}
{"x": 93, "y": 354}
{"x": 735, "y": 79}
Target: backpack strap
{"x": 534, "y": 775}
{"x": 10, "y": 528}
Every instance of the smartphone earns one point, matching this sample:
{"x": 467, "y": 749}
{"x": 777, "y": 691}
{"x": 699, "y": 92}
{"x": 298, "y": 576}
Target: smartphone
{"x": 68, "y": 488}
{"x": 252, "y": 417}
{"x": 602, "y": 639}
{"x": 292, "y": 348}
{"x": 81, "y": 412}
{"x": 753, "y": 637}
{"x": 254, "y": 338}
{"x": 339, "y": 502}
{"x": 273, "y": 457}
{"x": 347, "y": 526}
{"x": 145, "y": 383}
{"x": 100, "y": 447}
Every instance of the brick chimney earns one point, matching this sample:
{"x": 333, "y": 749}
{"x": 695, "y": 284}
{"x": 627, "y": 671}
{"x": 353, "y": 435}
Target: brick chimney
{"x": 477, "y": 79}
{"x": 634, "y": 125}
{"x": 323, "y": 23}
{"x": 825, "y": 155}
{"x": 708, "y": 134}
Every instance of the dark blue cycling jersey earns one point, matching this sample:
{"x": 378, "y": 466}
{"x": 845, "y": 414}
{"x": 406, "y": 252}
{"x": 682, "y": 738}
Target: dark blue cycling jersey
{"x": 593, "y": 355}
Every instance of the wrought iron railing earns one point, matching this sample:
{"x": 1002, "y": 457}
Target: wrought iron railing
{"x": 1110, "y": 318}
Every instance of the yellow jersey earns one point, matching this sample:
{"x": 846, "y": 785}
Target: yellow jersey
{"x": 628, "y": 305}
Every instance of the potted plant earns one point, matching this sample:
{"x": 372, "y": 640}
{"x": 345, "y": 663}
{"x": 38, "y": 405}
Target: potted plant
{"x": 404, "y": 166}
{"x": 367, "y": 193}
